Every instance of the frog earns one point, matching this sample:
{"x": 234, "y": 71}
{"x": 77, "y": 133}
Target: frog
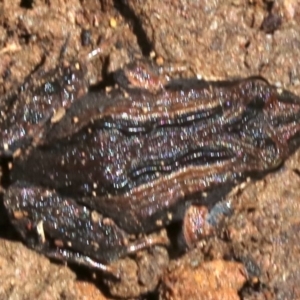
{"x": 101, "y": 178}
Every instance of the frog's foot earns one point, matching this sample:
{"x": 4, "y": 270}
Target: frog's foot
{"x": 200, "y": 222}
{"x": 83, "y": 260}
{"x": 148, "y": 241}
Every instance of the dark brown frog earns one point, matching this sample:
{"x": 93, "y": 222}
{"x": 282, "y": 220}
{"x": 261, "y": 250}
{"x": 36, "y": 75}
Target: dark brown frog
{"x": 97, "y": 181}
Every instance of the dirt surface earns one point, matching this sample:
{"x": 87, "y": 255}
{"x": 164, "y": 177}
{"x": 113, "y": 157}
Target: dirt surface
{"x": 215, "y": 279}
{"x": 208, "y": 39}
{"x": 27, "y": 275}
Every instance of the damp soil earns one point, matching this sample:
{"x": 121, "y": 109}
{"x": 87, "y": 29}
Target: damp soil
{"x": 256, "y": 253}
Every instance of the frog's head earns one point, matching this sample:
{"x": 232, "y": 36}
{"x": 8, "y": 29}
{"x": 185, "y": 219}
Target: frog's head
{"x": 282, "y": 112}
{"x": 265, "y": 123}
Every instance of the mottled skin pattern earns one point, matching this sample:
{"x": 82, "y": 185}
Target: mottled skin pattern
{"x": 26, "y": 111}
{"x": 130, "y": 161}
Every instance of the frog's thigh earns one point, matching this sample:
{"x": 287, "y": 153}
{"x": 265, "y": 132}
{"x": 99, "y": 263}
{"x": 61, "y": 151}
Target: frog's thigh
{"x": 62, "y": 222}
{"x": 63, "y": 228}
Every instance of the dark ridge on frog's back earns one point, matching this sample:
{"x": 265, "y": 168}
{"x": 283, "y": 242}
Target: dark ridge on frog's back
{"x": 70, "y": 136}
{"x": 116, "y": 162}
{"x": 138, "y": 110}
{"x": 126, "y": 139}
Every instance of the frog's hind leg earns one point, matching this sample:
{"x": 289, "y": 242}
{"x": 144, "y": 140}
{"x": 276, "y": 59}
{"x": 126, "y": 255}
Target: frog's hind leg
{"x": 63, "y": 229}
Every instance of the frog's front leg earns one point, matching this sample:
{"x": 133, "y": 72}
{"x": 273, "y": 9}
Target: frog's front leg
{"x": 63, "y": 229}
